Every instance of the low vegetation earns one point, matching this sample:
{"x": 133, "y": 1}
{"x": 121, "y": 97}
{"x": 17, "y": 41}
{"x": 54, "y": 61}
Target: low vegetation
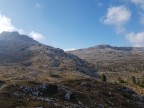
{"x": 80, "y": 93}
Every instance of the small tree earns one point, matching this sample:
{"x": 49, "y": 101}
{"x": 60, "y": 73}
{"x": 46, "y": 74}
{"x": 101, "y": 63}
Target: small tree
{"x": 133, "y": 79}
{"x": 142, "y": 81}
{"x": 103, "y": 78}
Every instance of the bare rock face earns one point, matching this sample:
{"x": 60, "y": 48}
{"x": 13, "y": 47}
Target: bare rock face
{"x": 113, "y": 59}
{"x": 20, "y": 53}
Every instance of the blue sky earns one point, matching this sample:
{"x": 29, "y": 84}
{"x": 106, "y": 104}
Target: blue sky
{"x": 74, "y": 24}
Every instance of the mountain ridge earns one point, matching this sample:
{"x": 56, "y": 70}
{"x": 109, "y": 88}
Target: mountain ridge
{"x": 107, "y": 46}
{"x": 28, "y": 59}
{"x": 111, "y": 58}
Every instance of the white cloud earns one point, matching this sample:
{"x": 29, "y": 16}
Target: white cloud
{"x": 69, "y": 49}
{"x": 137, "y": 39}
{"x": 117, "y": 16}
{"x": 5, "y": 24}
{"x": 36, "y": 36}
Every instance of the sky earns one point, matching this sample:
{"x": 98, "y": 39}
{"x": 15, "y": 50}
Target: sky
{"x": 75, "y": 24}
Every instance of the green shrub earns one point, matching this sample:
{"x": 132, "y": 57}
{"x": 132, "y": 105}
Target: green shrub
{"x": 103, "y": 78}
{"x": 55, "y": 76}
{"x": 142, "y": 81}
{"x": 133, "y": 80}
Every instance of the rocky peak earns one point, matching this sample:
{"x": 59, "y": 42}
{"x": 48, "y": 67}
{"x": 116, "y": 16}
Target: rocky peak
{"x": 16, "y": 37}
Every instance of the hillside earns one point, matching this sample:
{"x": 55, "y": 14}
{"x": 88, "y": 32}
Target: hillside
{"x": 22, "y": 58}
{"x": 82, "y": 93}
{"x": 113, "y": 59}
{"x": 33, "y": 75}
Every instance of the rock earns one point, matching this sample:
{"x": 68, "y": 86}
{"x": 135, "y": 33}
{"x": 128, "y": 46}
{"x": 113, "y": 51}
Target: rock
{"x": 50, "y": 89}
{"x": 41, "y": 90}
{"x": 127, "y": 90}
{"x": 137, "y": 97}
{"x": 39, "y": 107}
{"x": 79, "y": 102}
{"x": 67, "y": 96}
{"x": 100, "y": 106}
{"x": 110, "y": 93}
{"x": 17, "y": 94}
{"x": 44, "y": 86}
{"x": 45, "y": 99}
{"x": 111, "y": 103}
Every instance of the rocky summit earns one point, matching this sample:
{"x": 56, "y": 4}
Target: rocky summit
{"x": 22, "y": 58}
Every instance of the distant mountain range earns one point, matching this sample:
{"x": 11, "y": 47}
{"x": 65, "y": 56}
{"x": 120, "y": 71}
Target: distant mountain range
{"x": 21, "y": 57}
{"x": 113, "y": 59}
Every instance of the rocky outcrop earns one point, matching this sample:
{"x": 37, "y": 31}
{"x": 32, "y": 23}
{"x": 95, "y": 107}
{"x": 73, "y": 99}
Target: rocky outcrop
{"x": 84, "y": 93}
{"x": 41, "y": 90}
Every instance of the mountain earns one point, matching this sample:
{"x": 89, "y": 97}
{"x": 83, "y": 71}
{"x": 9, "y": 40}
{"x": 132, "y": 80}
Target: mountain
{"x": 12, "y": 47}
{"x": 113, "y": 59}
{"x": 21, "y": 57}
{"x": 15, "y": 37}
{"x": 33, "y": 75}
